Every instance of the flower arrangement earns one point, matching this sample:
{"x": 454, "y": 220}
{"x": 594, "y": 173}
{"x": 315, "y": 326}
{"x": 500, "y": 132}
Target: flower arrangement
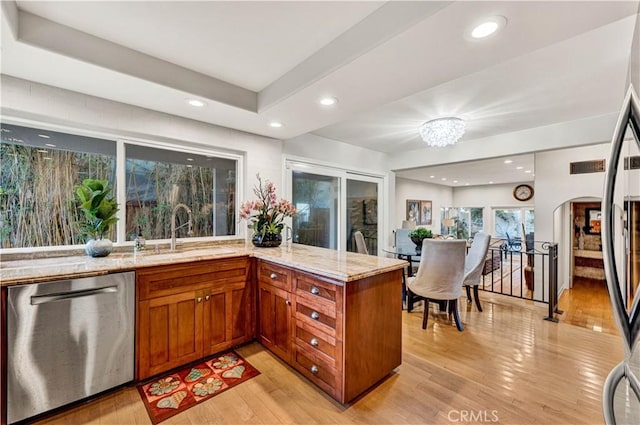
{"x": 266, "y": 214}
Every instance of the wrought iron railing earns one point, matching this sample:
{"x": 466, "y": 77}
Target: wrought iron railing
{"x": 527, "y": 271}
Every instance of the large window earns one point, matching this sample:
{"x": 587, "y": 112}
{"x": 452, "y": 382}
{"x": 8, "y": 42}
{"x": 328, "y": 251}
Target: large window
{"x": 40, "y": 169}
{"x": 462, "y": 223}
{"x": 158, "y": 180}
{"x": 513, "y": 223}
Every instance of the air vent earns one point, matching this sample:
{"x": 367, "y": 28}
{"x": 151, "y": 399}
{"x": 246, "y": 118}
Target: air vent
{"x": 585, "y": 167}
{"x": 632, "y": 162}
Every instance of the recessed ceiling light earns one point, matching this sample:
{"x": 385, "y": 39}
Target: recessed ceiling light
{"x": 189, "y": 166}
{"x": 508, "y": 161}
{"x": 488, "y": 27}
{"x": 275, "y": 124}
{"x": 490, "y": 182}
{"x": 527, "y": 171}
{"x": 196, "y": 103}
{"x": 44, "y": 136}
{"x": 328, "y": 101}
{"x": 432, "y": 177}
{"x": 519, "y": 167}
{"x": 466, "y": 184}
{"x": 443, "y": 179}
{"x": 51, "y": 145}
{"x": 189, "y": 159}
{"x": 455, "y": 181}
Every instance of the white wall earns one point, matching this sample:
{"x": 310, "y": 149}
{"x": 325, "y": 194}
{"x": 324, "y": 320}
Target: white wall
{"x": 440, "y": 196}
{"x": 336, "y": 153}
{"x": 27, "y": 100}
{"x": 554, "y": 185}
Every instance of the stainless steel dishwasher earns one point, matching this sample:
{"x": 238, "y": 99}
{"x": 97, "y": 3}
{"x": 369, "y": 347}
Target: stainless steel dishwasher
{"x": 68, "y": 340}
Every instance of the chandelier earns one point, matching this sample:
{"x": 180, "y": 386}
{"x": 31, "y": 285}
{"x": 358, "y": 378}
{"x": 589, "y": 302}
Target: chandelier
{"x": 442, "y": 131}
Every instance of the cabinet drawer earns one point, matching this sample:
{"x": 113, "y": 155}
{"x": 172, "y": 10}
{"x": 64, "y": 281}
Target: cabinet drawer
{"x": 161, "y": 281}
{"x": 274, "y": 275}
{"x": 317, "y": 342}
{"x": 316, "y": 370}
{"x": 311, "y": 286}
{"x": 319, "y": 315}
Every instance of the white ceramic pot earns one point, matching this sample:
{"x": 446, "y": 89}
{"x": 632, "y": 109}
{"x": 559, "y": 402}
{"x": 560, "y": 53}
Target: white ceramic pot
{"x": 99, "y": 247}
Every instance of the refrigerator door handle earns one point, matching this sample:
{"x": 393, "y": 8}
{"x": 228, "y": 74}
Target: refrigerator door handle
{"x": 43, "y": 299}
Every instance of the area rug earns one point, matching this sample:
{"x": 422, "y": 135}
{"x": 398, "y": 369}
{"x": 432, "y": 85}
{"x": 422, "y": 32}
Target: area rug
{"x": 174, "y": 393}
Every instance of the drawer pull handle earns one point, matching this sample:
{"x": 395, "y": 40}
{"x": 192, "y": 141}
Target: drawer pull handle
{"x": 314, "y": 369}
{"x": 314, "y": 342}
{"x": 314, "y": 290}
{"x": 287, "y": 302}
{"x": 273, "y": 276}
{"x": 199, "y": 299}
{"x": 207, "y": 298}
{"x": 315, "y": 315}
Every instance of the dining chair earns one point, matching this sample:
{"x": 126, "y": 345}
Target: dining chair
{"x": 474, "y": 264}
{"x": 440, "y": 276}
{"x": 361, "y": 246}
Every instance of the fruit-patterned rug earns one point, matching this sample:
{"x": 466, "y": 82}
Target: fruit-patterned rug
{"x": 171, "y": 394}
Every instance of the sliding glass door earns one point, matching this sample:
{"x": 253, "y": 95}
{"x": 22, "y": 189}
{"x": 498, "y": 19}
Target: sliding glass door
{"x": 317, "y": 199}
{"x": 332, "y": 205}
{"x": 362, "y": 213}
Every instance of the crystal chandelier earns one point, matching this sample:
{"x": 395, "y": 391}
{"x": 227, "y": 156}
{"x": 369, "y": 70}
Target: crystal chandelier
{"x": 442, "y": 131}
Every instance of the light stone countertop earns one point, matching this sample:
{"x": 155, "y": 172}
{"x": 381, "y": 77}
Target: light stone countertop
{"x": 338, "y": 265}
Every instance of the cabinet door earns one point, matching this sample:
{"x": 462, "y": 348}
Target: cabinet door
{"x": 170, "y": 332}
{"x": 275, "y": 307}
{"x": 227, "y": 316}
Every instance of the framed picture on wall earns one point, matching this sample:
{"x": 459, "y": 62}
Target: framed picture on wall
{"x": 413, "y": 210}
{"x": 593, "y": 219}
{"x": 425, "y": 212}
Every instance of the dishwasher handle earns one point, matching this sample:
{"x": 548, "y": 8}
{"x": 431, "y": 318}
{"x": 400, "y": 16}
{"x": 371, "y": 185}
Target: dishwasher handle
{"x": 44, "y": 299}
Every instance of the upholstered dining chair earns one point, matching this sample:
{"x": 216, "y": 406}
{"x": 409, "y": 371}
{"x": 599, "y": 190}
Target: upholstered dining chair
{"x": 361, "y": 246}
{"x": 473, "y": 265}
{"x": 440, "y": 276}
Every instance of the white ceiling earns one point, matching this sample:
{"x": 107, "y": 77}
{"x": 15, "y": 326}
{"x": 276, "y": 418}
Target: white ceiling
{"x": 392, "y": 65}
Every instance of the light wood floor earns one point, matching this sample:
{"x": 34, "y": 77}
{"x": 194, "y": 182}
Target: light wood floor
{"x": 587, "y": 305}
{"x": 508, "y": 366}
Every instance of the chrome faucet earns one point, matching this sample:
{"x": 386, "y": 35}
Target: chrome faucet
{"x": 173, "y": 224}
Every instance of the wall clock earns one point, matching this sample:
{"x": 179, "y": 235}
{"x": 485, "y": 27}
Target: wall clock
{"x": 523, "y": 192}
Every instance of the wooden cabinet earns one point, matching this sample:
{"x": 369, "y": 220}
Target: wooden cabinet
{"x": 342, "y": 336}
{"x": 189, "y": 311}
{"x": 275, "y": 300}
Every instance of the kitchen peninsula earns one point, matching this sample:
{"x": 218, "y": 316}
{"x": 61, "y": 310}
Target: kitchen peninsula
{"x": 333, "y": 316}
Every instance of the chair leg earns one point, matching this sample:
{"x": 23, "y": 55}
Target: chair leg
{"x": 443, "y": 306}
{"x": 456, "y": 314}
{"x": 476, "y": 297}
{"x": 468, "y": 293}
{"x": 425, "y": 314}
{"x": 409, "y": 301}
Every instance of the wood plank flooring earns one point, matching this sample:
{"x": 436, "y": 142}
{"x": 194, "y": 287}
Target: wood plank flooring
{"x": 509, "y": 366}
{"x": 587, "y": 305}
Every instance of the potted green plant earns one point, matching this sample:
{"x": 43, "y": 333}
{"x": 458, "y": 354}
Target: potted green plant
{"x": 418, "y": 234}
{"x": 99, "y": 207}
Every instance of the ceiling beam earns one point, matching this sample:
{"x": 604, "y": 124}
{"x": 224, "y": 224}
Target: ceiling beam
{"x": 45, "y": 34}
